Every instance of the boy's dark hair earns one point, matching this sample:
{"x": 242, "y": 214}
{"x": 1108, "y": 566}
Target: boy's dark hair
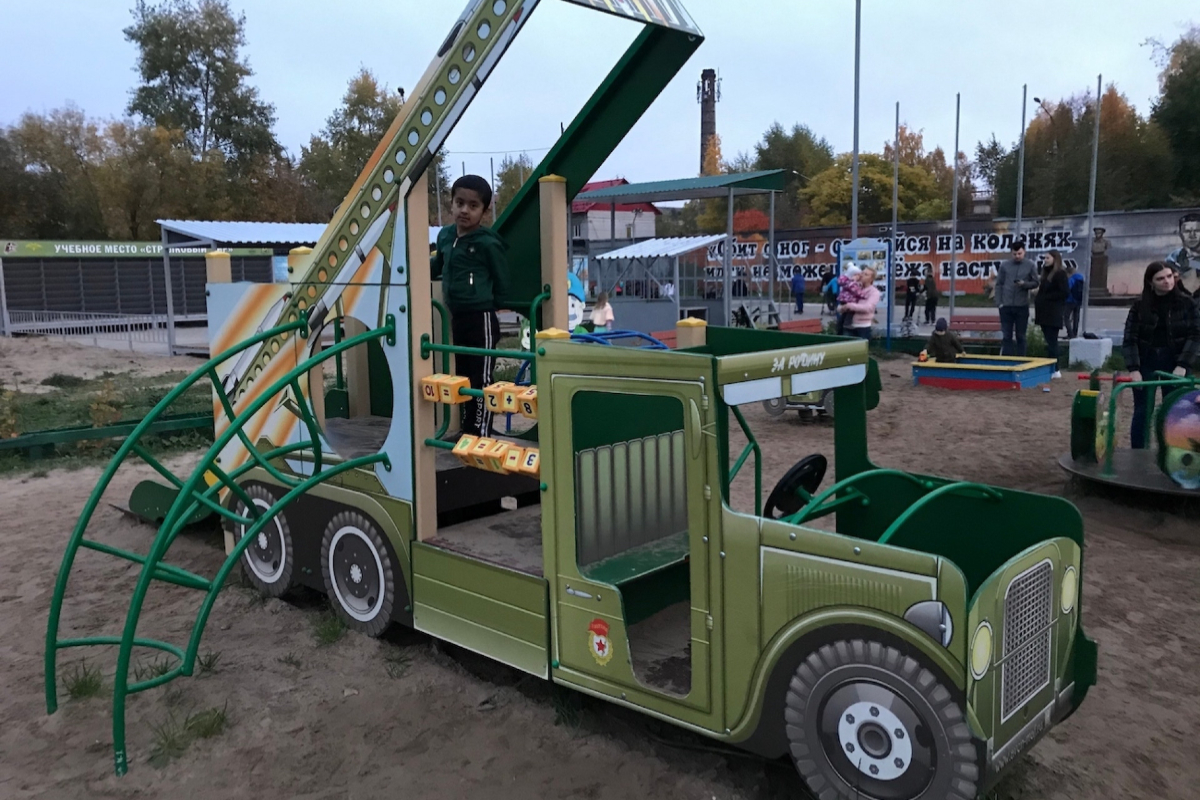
{"x": 475, "y": 184}
{"x": 1018, "y": 244}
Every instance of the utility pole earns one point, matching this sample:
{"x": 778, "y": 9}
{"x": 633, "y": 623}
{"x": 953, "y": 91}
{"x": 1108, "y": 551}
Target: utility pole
{"x": 891, "y": 284}
{"x": 954, "y": 205}
{"x": 854, "y": 168}
{"x": 1021, "y": 163}
{"x": 1087, "y": 276}
{"x": 492, "y": 162}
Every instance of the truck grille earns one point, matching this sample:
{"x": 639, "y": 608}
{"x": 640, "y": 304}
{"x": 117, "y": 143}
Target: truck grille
{"x": 1028, "y": 612}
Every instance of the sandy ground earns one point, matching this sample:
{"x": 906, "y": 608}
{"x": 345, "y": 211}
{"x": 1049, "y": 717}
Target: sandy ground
{"x": 406, "y": 717}
{"x": 25, "y": 362}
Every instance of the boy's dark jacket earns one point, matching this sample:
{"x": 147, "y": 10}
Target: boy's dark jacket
{"x": 473, "y": 269}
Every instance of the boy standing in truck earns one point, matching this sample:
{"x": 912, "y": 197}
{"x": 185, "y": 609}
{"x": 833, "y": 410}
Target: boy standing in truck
{"x": 470, "y": 260}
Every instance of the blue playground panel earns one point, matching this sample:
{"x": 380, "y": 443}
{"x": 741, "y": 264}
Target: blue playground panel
{"x": 984, "y": 373}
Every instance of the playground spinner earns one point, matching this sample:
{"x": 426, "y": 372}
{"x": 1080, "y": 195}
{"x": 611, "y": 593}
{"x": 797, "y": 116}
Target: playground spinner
{"x": 914, "y": 652}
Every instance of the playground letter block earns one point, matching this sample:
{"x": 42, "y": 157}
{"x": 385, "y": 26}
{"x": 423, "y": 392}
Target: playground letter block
{"x": 449, "y": 387}
{"x": 496, "y": 455}
{"x": 462, "y": 449}
{"x": 513, "y": 459}
{"x": 494, "y": 395}
{"x": 531, "y": 462}
{"x": 508, "y": 398}
{"x": 431, "y": 387}
{"x": 479, "y": 452}
{"x": 528, "y": 402}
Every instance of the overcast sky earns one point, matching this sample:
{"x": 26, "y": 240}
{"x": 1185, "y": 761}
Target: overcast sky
{"x": 780, "y": 60}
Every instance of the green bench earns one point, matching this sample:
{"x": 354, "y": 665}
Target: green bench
{"x": 650, "y": 576}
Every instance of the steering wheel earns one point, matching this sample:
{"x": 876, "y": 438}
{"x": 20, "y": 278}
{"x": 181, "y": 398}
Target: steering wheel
{"x": 806, "y": 474}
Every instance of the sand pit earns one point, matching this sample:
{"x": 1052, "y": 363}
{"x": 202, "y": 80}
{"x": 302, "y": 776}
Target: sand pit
{"x": 405, "y": 717}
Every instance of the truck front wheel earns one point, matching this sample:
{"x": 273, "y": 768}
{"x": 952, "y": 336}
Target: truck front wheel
{"x": 865, "y": 720}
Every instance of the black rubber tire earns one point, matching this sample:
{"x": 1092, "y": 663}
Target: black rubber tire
{"x": 841, "y": 670}
{"x": 775, "y": 406}
{"x": 269, "y": 569}
{"x": 827, "y": 403}
{"x": 365, "y": 604}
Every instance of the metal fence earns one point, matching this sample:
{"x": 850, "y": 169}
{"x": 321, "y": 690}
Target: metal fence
{"x": 137, "y": 331}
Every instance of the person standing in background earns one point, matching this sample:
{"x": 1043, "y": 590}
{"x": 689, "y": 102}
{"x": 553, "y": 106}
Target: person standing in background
{"x": 860, "y": 313}
{"x": 1162, "y": 334}
{"x": 1051, "y": 300}
{"x": 1013, "y": 282}
{"x": 1076, "y": 286}
{"x": 912, "y": 287}
{"x": 602, "y": 314}
{"x": 798, "y": 288}
{"x": 931, "y": 296}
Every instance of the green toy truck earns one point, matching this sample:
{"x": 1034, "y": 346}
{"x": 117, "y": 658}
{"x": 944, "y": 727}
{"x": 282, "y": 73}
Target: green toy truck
{"x": 900, "y": 636}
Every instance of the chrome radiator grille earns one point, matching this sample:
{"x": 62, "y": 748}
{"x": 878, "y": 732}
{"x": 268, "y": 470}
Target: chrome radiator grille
{"x": 1028, "y": 612}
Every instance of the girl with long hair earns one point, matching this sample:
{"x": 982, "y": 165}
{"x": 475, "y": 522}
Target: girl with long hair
{"x": 1050, "y": 304}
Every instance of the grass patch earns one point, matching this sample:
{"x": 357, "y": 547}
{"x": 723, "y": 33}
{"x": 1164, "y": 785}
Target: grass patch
{"x": 154, "y": 669}
{"x": 568, "y": 706}
{"x": 328, "y": 628}
{"x": 171, "y": 738}
{"x": 96, "y": 402}
{"x": 290, "y": 660}
{"x": 207, "y": 723}
{"x": 208, "y": 662}
{"x": 83, "y": 681}
{"x": 398, "y": 665}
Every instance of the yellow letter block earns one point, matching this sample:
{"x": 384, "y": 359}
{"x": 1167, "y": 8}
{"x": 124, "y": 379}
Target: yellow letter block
{"x": 528, "y": 402}
{"x": 462, "y": 449}
{"x": 512, "y": 460}
{"x": 531, "y": 462}
{"x": 495, "y": 456}
{"x": 479, "y": 452}
{"x": 508, "y": 398}
{"x": 494, "y": 396}
{"x": 449, "y": 386}
{"x": 431, "y": 387}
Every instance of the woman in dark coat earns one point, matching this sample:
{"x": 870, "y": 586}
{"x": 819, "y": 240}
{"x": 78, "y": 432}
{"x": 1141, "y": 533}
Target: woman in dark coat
{"x": 1162, "y": 334}
{"x": 1051, "y": 301}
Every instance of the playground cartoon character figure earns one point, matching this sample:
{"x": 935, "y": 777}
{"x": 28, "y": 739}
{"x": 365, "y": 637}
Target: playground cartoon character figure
{"x": 1181, "y": 441}
{"x": 575, "y": 302}
{"x": 598, "y": 641}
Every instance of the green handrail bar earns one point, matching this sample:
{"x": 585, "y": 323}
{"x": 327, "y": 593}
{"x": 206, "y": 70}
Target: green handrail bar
{"x": 959, "y": 487}
{"x": 534, "y": 307}
{"x": 809, "y": 511}
{"x": 227, "y": 405}
{"x": 183, "y": 507}
{"x": 444, "y": 317}
{"x": 751, "y": 447}
{"x": 73, "y": 543}
{"x": 438, "y": 443}
{"x": 428, "y": 347}
{"x": 1167, "y": 379}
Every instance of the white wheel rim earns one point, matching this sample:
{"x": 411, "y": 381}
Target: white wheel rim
{"x": 255, "y": 565}
{"x": 373, "y": 611}
{"x": 865, "y": 718}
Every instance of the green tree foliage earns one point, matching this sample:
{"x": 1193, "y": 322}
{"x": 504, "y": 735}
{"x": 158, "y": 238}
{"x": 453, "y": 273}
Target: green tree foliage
{"x": 1134, "y": 167}
{"x": 803, "y": 154}
{"x": 1177, "y": 114}
{"x": 829, "y": 193}
{"x": 510, "y": 175}
{"x": 911, "y": 145}
{"x": 61, "y": 150}
{"x": 193, "y": 79}
{"x": 336, "y": 156}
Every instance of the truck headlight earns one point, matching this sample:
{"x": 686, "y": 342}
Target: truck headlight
{"x": 1070, "y": 589}
{"x": 981, "y": 650}
{"x": 934, "y": 618}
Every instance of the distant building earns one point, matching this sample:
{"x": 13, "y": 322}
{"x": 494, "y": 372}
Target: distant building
{"x": 593, "y": 222}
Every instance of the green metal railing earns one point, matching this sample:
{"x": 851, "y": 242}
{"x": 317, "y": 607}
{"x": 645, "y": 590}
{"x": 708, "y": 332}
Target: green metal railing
{"x": 192, "y": 494}
{"x": 961, "y": 487}
{"x": 1164, "y": 380}
{"x": 751, "y": 447}
{"x": 820, "y": 505}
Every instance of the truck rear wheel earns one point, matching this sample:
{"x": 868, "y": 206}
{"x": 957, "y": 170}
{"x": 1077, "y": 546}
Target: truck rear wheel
{"x": 268, "y": 560}
{"x": 865, "y": 720}
{"x": 359, "y": 573}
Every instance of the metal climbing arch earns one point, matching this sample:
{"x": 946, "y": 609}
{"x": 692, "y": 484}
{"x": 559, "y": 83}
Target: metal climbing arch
{"x": 201, "y": 489}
